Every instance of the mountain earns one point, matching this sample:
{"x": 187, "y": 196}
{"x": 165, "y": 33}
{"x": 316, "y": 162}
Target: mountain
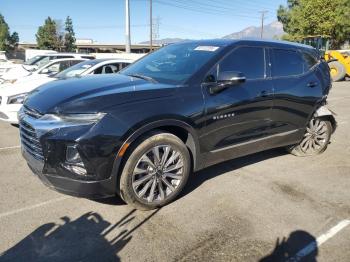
{"x": 271, "y": 31}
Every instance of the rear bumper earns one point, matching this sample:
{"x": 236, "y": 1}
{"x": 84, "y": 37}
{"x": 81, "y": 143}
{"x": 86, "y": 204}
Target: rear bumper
{"x": 78, "y": 188}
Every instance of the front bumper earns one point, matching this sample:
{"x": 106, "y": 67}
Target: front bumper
{"x": 86, "y": 189}
{"x": 46, "y": 158}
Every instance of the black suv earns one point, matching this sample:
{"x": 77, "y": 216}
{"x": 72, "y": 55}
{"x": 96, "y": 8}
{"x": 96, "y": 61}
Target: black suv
{"x": 140, "y": 133}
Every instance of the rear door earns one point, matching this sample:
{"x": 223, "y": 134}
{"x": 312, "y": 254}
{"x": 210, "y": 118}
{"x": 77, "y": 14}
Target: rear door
{"x": 242, "y": 113}
{"x": 297, "y": 87}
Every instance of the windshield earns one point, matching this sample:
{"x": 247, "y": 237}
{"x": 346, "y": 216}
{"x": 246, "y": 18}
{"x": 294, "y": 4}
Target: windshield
{"x": 174, "y": 63}
{"x": 38, "y": 61}
{"x": 77, "y": 69}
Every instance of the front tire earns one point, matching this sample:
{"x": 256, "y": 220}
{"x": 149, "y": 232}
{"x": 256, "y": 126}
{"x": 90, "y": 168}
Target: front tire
{"x": 315, "y": 140}
{"x": 156, "y": 171}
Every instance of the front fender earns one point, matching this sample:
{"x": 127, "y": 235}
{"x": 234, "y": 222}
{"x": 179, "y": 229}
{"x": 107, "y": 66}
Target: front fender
{"x": 192, "y": 141}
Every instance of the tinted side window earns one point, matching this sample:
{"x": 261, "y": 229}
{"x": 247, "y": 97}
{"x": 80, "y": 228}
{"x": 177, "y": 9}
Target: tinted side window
{"x": 64, "y": 65}
{"x": 309, "y": 61}
{"x": 286, "y": 63}
{"x": 248, "y": 60}
{"x": 124, "y": 65}
{"x": 88, "y": 57}
{"x": 60, "y": 57}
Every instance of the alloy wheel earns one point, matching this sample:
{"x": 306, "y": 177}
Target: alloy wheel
{"x": 158, "y": 173}
{"x": 315, "y": 137}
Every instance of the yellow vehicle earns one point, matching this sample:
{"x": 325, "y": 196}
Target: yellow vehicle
{"x": 338, "y": 60}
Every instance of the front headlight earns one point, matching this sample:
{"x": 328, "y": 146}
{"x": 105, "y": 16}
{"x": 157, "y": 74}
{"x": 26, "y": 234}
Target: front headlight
{"x": 17, "y": 99}
{"x": 74, "y": 118}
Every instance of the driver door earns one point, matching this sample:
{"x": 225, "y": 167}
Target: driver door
{"x": 238, "y": 117}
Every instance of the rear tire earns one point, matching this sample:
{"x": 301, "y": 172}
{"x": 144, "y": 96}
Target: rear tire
{"x": 337, "y": 71}
{"x": 156, "y": 170}
{"x": 315, "y": 140}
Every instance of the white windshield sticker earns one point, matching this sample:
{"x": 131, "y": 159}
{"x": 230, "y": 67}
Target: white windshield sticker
{"x": 208, "y": 48}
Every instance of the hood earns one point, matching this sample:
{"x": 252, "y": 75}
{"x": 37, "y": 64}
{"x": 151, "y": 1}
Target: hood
{"x": 34, "y": 77}
{"x": 21, "y": 87}
{"x": 92, "y": 94}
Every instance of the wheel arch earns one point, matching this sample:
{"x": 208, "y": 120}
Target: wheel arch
{"x": 323, "y": 112}
{"x": 178, "y": 128}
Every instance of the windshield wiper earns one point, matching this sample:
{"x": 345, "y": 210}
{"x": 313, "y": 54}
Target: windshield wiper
{"x": 147, "y": 78}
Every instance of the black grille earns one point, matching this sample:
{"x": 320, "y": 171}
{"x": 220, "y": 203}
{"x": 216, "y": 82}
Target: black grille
{"x": 32, "y": 113}
{"x": 30, "y": 141}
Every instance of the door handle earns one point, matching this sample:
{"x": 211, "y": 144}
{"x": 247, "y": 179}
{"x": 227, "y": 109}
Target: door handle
{"x": 312, "y": 84}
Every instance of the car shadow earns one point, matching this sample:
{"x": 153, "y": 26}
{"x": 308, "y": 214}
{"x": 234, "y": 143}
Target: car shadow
{"x": 112, "y": 201}
{"x": 300, "y": 246}
{"x": 87, "y": 238}
{"x": 211, "y": 172}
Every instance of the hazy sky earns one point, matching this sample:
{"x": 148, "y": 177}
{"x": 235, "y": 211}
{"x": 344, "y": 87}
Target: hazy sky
{"x": 103, "y": 20}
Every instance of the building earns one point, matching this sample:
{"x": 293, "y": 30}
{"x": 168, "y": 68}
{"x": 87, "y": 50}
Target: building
{"x": 89, "y": 46}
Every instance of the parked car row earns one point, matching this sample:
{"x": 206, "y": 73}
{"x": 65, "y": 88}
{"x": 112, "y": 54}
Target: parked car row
{"x": 19, "y": 81}
{"x": 20, "y": 70}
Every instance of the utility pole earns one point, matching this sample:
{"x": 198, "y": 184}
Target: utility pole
{"x": 127, "y": 26}
{"x": 155, "y": 29}
{"x": 150, "y": 25}
{"x": 262, "y": 22}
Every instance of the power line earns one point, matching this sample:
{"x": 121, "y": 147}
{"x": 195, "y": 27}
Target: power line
{"x": 203, "y": 10}
{"x": 181, "y": 29}
{"x": 218, "y": 7}
{"x": 246, "y": 4}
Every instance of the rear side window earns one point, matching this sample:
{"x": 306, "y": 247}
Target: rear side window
{"x": 88, "y": 57}
{"x": 60, "y": 57}
{"x": 248, "y": 60}
{"x": 286, "y": 63}
{"x": 309, "y": 61}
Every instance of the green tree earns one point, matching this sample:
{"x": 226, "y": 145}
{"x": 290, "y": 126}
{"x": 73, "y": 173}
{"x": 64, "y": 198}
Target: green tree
{"x": 316, "y": 17}
{"x": 7, "y": 41}
{"x": 13, "y": 41}
{"x": 69, "y": 36}
{"x": 48, "y": 36}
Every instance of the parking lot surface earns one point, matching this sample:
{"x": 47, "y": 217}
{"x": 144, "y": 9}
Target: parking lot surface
{"x": 263, "y": 207}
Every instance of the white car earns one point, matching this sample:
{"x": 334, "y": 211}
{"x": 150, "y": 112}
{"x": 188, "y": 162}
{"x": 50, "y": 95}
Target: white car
{"x": 15, "y": 71}
{"x": 13, "y": 95}
{"x": 5, "y": 64}
{"x": 49, "y": 69}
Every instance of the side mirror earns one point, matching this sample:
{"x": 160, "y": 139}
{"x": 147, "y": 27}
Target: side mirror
{"x": 227, "y": 79}
{"x": 46, "y": 71}
{"x": 231, "y": 78}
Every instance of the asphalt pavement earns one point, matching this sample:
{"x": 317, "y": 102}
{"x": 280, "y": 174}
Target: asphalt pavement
{"x": 263, "y": 207}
